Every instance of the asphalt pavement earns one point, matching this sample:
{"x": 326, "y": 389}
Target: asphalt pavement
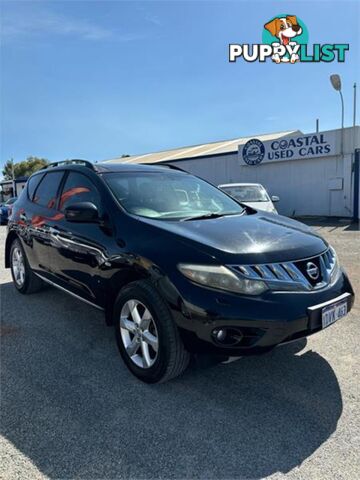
{"x": 71, "y": 409}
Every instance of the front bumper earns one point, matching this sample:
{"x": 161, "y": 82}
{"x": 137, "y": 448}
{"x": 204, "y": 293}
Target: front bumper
{"x": 263, "y": 321}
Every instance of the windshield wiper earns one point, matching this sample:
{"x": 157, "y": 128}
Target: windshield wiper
{"x": 206, "y": 216}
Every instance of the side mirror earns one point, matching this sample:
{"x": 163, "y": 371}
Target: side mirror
{"x": 82, "y": 212}
{"x": 275, "y": 198}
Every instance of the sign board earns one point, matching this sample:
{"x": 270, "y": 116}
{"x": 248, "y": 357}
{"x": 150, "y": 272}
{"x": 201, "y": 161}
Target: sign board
{"x": 255, "y": 152}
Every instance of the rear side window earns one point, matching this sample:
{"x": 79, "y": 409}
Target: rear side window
{"x": 32, "y": 184}
{"x": 46, "y": 191}
{"x": 78, "y": 188}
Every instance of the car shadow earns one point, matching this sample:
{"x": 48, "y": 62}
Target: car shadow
{"x": 69, "y": 404}
{"x": 331, "y": 223}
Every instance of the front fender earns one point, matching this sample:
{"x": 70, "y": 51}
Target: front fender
{"x": 129, "y": 268}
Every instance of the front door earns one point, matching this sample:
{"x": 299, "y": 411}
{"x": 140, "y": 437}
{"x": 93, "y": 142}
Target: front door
{"x": 81, "y": 250}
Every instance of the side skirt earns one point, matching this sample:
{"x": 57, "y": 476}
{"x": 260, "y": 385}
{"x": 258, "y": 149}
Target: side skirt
{"x": 53, "y": 284}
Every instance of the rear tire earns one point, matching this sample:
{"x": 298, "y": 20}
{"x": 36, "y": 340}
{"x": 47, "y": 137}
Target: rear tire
{"x": 24, "y": 278}
{"x": 146, "y": 334}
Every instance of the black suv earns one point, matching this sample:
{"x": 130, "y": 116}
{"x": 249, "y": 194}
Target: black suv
{"x": 177, "y": 265}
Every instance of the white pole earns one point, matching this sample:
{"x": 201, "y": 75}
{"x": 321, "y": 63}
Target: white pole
{"x": 354, "y": 118}
{"x": 342, "y": 122}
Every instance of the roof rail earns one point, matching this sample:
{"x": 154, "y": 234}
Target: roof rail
{"x": 168, "y": 165}
{"x": 73, "y": 161}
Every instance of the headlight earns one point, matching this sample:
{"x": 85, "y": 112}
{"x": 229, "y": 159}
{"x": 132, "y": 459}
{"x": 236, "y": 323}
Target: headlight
{"x": 221, "y": 278}
{"x": 336, "y": 268}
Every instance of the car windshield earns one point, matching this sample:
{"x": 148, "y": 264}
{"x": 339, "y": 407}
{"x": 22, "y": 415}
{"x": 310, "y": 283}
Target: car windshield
{"x": 247, "y": 193}
{"x": 169, "y": 195}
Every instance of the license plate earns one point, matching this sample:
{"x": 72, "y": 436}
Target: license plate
{"x": 332, "y": 313}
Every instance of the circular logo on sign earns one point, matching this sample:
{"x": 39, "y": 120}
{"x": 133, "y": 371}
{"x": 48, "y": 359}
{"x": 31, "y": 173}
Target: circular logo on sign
{"x": 253, "y": 152}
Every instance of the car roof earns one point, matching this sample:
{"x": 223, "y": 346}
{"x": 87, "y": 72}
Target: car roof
{"x": 137, "y": 167}
{"x": 108, "y": 167}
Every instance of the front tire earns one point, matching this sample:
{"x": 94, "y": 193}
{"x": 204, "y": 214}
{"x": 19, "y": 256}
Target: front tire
{"x": 23, "y": 277}
{"x": 146, "y": 334}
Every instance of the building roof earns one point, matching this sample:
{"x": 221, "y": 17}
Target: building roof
{"x": 17, "y": 180}
{"x": 198, "y": 151}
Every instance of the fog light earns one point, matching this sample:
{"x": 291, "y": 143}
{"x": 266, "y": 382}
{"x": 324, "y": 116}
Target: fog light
{"x": 220, "y": 335}
{"x": 228, "y": 336}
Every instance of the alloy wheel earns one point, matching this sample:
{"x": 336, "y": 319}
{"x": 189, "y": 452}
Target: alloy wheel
{"x": 18, "y": 266}
{"x": 139, "y": 333}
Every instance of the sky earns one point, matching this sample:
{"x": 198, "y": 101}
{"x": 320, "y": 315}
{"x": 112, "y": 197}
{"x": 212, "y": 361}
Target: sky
{"x": 98, "y": 79}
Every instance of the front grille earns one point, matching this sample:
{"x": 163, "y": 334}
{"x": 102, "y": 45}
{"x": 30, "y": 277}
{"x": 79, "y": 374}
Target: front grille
{"x": 307, "y": 274}
{"x": 302, "y": 265}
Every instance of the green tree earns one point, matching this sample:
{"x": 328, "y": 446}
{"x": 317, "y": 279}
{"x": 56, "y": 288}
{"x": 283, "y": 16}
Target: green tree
{"x": 24, "y": 168}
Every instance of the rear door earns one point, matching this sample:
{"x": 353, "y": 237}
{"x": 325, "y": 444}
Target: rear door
{"x": 40, "y": 216}
{"x": 80, "y": 254}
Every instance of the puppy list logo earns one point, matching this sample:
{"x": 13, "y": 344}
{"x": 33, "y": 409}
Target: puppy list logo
{"x": 285, "y": 40}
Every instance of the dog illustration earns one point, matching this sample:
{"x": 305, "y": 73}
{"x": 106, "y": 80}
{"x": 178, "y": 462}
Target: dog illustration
{"x": 285, "y": 29}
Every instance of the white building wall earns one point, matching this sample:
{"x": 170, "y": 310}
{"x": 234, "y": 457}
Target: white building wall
{"x": 306, "y": 186}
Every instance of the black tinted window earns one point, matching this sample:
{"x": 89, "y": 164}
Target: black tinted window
{"x": 45, "y": 194}
{"x": 32, "y": 184}
{"x": 78, "y": 188}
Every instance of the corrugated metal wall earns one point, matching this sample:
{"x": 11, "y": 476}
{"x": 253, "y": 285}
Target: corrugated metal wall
{"x": 317, "y": 186}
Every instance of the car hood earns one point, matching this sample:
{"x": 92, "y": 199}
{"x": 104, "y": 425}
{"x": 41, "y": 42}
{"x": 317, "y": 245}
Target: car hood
{"x": 254, "y": 238}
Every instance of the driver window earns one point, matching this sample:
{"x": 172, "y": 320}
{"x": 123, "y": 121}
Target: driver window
{"x": 78, "y": 188}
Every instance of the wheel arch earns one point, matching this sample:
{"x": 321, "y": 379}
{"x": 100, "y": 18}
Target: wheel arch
{"x": 119, "y": 281}
{"x": 9, "y": 240}
{"x": 142, "y": 270}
